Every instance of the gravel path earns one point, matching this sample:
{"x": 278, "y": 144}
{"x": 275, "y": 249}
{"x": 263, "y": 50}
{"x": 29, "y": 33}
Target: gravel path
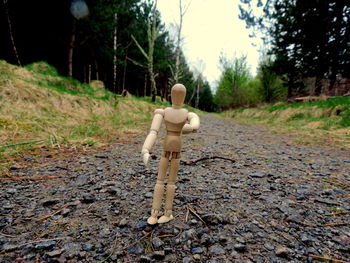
{"x": 278, "y": 202}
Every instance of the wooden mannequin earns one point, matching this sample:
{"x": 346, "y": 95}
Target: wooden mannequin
{"x": 175, "y": 119}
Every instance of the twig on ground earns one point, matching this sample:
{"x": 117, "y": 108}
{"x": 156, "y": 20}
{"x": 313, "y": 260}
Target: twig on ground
{"x": 110, "y": 254}
{"x": 191, "y": 162}
{"x": 338, "y": 213}
{"x": 187, "y": 214}
{"x": 6, "y": 235}
{"x": 327, "y": 258}
{"x": 42, "y": 240}
{"x": 336, "y": 224}
{"x": 30, "y": 178}
{"x": 21, "y": 143}
{"x": 138, "y": 241}
{"x": 163, "y": 236}
{"x": 195, "y": 213}
{"x": 44, "y": 217}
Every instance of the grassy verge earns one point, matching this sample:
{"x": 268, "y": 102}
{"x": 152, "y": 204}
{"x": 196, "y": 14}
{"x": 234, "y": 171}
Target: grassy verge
{"x": 39, "y": 108}
{"x": 320, "y": 122}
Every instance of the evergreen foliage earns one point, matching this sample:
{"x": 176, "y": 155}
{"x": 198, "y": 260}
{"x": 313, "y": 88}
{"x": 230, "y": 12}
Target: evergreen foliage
{"x": 308, "y": 39}
{"x": 101, "y": 43}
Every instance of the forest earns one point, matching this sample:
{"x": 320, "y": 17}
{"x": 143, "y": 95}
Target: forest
{"x": 126, "y": 45}
{"x": 258, "y": 163}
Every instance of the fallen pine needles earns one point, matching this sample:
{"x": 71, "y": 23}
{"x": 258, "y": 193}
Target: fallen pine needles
{"x": 327, "y": 258}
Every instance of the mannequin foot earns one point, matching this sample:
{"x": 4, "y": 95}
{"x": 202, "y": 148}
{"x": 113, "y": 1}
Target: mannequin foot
{"x": 153, "y": 219}
{"x": 165, "y": 219}
{"x": 168, "y": 216}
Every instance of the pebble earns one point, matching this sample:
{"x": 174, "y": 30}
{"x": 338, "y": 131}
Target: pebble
{"x": 197, "y": 250}
{"x": 123, "y": 222}
{"x": 157, "y": 242}
{"x": 87, "y": 198}
{"x": 158, "y": 255}
{"x": 149, "y": 195}
{"x": 240, "y": 247}
{"x": 282, "y": 251}
{"x": 45, "y": 244}
{"x": 136, "y": 249}
{"x": 216, "y": 250}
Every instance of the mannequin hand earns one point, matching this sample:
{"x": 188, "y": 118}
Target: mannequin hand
{"x": 146, "y": 157}
{"x": 187, "y": 128}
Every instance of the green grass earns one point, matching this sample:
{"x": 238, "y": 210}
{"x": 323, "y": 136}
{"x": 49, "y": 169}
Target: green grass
{"x": 47, "y": 76}
{"x": 322, "y": 122}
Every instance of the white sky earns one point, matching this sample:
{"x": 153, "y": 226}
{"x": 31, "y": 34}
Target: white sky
{"x": 211, "y": 27}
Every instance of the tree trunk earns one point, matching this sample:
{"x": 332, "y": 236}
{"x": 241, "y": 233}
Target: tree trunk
{"x": 124, "y": 71}
{"x": 197, "y": 98}
{"x": 115, "y": 39}
{"x": 96, "y": 70}
{"x": 145, "y": 87}
{"x": 318, "y": 86}
{"x": 89, "y": 74}
{"x": 332, "y": 82}
{"x": 71, "y": 49}
{"x": 177, "y": 52}
{"x": 11, "y": 33}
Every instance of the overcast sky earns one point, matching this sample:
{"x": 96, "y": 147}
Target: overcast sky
{"x": 211, "y": 27}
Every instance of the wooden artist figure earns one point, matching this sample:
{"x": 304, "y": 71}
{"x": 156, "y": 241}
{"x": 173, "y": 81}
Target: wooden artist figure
{"x": 177, "y": 121}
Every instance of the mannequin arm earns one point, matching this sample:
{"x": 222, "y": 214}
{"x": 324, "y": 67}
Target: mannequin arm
{"x": 152, "y": 136}
{"x": 194, "y": 124}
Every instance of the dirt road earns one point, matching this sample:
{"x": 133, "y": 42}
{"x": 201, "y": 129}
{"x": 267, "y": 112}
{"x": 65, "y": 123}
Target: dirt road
{"x": 277, "y": 202}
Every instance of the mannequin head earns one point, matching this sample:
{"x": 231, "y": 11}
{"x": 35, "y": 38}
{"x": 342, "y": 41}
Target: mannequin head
{"x": 178, "y": 94}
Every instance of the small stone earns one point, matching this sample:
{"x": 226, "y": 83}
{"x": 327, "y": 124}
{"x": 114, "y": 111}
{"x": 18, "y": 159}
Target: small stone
{"x": 87, "y": 198}
{"x": 186, "y": 260}
{"x": 136, "y": 249}
{"x": 45, "y": 244}
{"x": 140, "y": 225}
{"x": 81, "y": 179}
{"x": 269, "y": 246}
{"x": 105, "y": 232}
{"x": 257, "y": 175}
{"x": 158, "y": 255}
{"x": 113, "y": 190}
{"x": 240, "y": 247}
{"x": 326, "y": 201}
{"x": 197, "y": 250}
{"x": 8, "y": 206}
{"x": 50, "y": 201}
{"x": 65, "y": 212}
{"x": 197, "y": 257}
{"x": 149, "y": 195}
{"x": 216, "y": 250}
{"x": 101, "y": 156}
{"x": 27, "y": 157}
{"x": 193, "y": 222}
{"x": 157, "y": 243}
{"x": 123, "y": 222}
{"x": 188, "y": 234}
{"x": 12, "y": 191}
{"x": 55, "y": 253}
{"x": 295, "y": 219}
{"x": 9, "y": 247}
{"x": 145, "y": 259}
{"x": 87, "y": 247}
{"x": 282, "y": 252}
{"x": 14, "y": 167}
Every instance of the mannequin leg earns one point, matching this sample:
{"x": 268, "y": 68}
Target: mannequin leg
{"x": 158, "y": 190}
{"x": 170, "y": 192}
